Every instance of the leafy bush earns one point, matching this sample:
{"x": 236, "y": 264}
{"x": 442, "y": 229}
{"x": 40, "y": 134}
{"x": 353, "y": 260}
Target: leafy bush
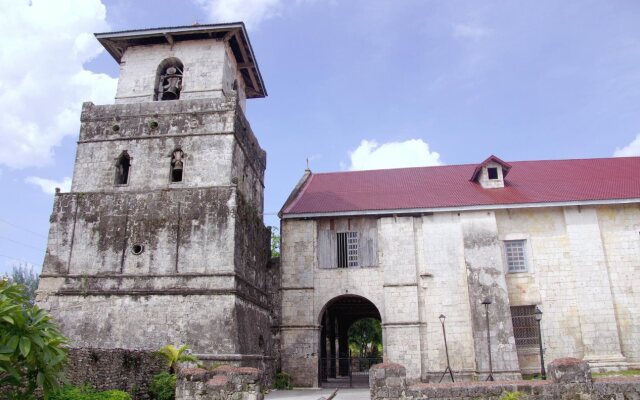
{"x": 163, "y": 386}
{"x": 511, "y": 396}
{"x": 174, "y": 355}
{"x": 88, "y": 393}
{"x": 283, "y": 381}
{"x": 31, "y": 346}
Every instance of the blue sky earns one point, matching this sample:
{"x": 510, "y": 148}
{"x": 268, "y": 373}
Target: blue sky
{"x": 354, "y": 84}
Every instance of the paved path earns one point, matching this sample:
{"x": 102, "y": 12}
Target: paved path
{"x": 315, "y": 394}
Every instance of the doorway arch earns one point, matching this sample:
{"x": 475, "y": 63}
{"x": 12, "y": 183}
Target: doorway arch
{"x": 338, "y": 366}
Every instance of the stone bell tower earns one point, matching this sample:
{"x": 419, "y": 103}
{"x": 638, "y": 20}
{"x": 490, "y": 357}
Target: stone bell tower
{"x": 161, "y": 239}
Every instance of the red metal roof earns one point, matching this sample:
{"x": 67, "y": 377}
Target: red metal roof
{"x": 450, "y": 186}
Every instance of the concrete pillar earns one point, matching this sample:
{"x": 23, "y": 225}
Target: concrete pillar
{"x": 598, "y": 322}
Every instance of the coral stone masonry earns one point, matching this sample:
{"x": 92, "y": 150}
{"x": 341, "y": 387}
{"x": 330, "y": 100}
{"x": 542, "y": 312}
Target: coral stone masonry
{"x": 161, "y": 239}
{"x": 561, "y": 236}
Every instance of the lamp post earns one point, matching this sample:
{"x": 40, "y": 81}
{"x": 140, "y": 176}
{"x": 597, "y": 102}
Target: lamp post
{"x": 446, "y": 350}
{"x": 538, "y": 315}
{"x": 486, "y": 303}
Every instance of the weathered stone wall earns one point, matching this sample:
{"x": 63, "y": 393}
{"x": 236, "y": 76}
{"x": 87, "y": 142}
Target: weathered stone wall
{"x": 209, "y": 70}
{"x": 223, "y": 383}
{"x": 106, "y": 369}
{"x": 582, "y": 264}
{"x": 568, "y": 379}
{"x": 199, "y": 283}
{"x": 200, "y": 277}
{"x": 445, "y": 291}
{"x": 619, "y": 227}
{"x": 219, "y": 147}
{"x": 447, "y": 263}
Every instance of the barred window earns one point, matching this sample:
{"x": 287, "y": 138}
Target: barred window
{"x": 347, "y": 249}
{"x": 525, "y": 326}
{"x": 516, "y": 255}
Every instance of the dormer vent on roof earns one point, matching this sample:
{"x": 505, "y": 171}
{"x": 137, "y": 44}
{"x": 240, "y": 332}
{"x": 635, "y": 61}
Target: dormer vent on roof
{"x": 491, "y": 172}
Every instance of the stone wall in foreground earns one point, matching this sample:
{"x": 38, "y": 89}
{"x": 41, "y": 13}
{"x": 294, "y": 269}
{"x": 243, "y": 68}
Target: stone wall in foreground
{"x": 569, "y": 379}
{"x": 222, "y": 383}
{"x": 106, "y": 369}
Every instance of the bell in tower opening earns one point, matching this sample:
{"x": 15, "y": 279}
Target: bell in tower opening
{"x": 170, "y": 82}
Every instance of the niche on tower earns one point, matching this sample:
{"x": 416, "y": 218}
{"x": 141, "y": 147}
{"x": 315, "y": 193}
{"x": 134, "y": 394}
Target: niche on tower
{"x": 123, "y": 165}
{"x": 169, "y": 79}
{"x": 177, "y": 166}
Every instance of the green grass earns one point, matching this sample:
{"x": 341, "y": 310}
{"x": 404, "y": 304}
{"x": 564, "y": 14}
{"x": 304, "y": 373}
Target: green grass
{"x": 628, "y": 372}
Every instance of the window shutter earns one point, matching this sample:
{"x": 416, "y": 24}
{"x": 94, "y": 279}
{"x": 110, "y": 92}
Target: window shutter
{"x": 326, "y": 249}
{"x": 368, "y": 247}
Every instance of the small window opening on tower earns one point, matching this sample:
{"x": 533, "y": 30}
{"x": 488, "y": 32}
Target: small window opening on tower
{"x": 177, "y": 165}
{"x": 493, "y": 172}
{"x": 123, "y": 165}
{"x": 169, "y": 79}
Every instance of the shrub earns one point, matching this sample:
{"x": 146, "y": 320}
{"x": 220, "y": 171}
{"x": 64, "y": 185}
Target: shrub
{"x": 511, "y": 396}
{"x": 174, "y": 355}
{"x": 283, "y": 381}
{"x": 88, "y": 393}
{"x": 163, "y": 386}
{"x": 32, "y": 349}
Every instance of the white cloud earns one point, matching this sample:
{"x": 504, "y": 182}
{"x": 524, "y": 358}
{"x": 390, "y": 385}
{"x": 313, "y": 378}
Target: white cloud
{"x": 630, "y": 150}
{"x": 467, "y": 31}
{"x": 410, "y": 153}
{"x": 251, "y": 12}
{"x": 42, "y": 80}
{"x": 49, "y": 185}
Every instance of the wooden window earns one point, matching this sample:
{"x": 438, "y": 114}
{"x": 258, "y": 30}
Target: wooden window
{"x": 525, "y": 326}
{"x": 347, "y": 248}
{"x": 347, "y": 243}
{"x": 516, "y": 255}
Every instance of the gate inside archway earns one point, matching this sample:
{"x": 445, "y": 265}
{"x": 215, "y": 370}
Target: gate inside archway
{"x": 350, "y": 342}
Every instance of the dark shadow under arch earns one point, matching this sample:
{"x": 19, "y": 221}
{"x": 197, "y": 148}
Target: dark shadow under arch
{"x": 337, "y": 366}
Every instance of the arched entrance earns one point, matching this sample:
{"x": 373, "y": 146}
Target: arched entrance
{"x": 350, "y": 342}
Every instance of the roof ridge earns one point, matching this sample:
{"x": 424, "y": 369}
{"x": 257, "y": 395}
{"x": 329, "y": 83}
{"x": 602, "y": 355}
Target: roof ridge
{"x": 475, "y": 164}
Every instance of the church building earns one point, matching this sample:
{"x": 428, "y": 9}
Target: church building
{"x": 482, "y": 245}
{"x": 161, "y": 239}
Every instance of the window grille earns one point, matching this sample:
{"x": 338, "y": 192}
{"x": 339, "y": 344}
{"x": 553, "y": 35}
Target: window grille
{"x": 347, "y": 249}
{"x": 516, "y": 255}
{"x": 525, "y": 326}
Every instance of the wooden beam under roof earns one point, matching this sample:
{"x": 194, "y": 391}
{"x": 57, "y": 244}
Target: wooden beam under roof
{"x": 169, "y": 38}
{"x": 245, "y": 59}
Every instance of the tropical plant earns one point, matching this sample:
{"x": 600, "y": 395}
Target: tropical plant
{"x": 283, "y": 381}
{"x": 511, "y": 396}
{"x": 174, "y": 355}
{"x": 88, "y": 393}
{"x": 275, "y": 242}
{"x": 163, "y": 386}
{"x": 365, "y": 337}
{"x": 31, "y": 346}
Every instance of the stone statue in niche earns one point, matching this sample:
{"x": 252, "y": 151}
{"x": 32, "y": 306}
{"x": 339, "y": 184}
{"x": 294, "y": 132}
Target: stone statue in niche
{"x": 177, "y": 166}
{"x": 170, "y": 84}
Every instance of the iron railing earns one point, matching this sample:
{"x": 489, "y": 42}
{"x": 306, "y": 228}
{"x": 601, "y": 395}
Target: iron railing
{"x": 346, "y": 371}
